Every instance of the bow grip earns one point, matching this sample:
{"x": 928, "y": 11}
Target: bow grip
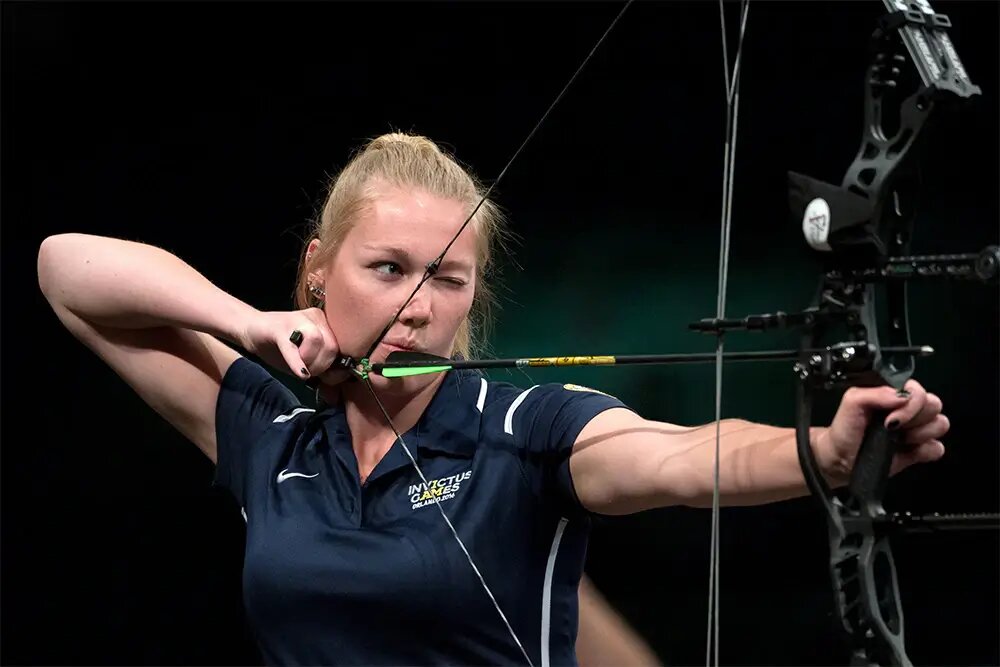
{"x": 872, "y": 465}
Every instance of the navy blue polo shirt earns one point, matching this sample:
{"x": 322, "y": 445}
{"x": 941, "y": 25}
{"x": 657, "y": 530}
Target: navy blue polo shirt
{"x": 340, "y": 573}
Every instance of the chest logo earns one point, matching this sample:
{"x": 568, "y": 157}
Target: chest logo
{"x": 284, "y": 474}
{"x": 440, "y": 490}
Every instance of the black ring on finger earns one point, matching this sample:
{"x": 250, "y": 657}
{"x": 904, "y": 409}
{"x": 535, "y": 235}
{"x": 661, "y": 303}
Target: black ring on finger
{"x": 296, "y": 338}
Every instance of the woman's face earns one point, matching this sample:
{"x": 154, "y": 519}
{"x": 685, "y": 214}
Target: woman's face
{"x": 381, "y": 261}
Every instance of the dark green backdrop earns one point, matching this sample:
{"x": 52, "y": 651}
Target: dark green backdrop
{"x": 209, "y": 129}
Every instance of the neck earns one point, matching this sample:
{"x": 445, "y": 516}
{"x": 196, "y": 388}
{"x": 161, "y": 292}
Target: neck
{"x": 370, "y": 432}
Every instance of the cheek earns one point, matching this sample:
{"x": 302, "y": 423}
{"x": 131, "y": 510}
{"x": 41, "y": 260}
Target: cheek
{"x": 455, "y": 306}
{"x": 354, "y": 309}
{"x": 353, "y": 294}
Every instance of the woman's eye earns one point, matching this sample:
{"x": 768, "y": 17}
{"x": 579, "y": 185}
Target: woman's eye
{"x": 390, "y": 269}
{"x": 452, "y": 282}
{"x": 387, "y": 268}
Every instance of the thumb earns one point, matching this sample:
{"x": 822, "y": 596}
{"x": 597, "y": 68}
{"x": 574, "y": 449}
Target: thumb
{"x": 290, "y": 353}
{"x": 926, "y": 452}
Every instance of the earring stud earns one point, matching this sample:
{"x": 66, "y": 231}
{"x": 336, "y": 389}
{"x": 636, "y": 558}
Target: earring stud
{"x": 318, "y": 291}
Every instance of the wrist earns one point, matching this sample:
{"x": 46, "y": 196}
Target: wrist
{"x": 234, "y": 324}
{"x": 835, "y": 468}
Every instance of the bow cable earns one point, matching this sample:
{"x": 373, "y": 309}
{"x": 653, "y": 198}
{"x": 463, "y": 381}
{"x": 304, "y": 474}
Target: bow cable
{"x": 429, "y": 272}
{"x": 729, "y": 160}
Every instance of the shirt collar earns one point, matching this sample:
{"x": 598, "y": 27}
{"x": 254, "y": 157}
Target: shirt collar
{"x": 449, "y": 424}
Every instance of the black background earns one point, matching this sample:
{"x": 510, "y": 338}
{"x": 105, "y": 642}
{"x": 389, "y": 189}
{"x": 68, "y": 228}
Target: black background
{"x": 210, "y": 129}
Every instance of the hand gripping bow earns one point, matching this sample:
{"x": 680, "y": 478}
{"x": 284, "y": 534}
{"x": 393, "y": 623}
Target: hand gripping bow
{"x": 863, "y": 228}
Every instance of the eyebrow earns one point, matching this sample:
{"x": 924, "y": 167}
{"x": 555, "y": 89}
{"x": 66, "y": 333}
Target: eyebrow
{"x": 447, "y": 264}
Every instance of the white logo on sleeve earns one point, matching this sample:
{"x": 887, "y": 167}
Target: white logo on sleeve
{"x": 284, "y": 474}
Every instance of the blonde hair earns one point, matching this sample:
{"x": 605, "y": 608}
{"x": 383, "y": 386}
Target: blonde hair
{"x": 405, "y": 160}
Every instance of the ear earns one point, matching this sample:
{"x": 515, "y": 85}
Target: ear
{"x": 311, "y": 249}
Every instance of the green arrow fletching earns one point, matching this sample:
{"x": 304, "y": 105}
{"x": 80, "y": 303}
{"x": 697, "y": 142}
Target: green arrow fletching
{"x": 417, "y": 370}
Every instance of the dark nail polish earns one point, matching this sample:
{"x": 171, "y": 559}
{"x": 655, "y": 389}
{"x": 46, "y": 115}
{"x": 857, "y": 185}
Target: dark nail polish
{"x": 893, "y": 425}
{"x": 305, "y": 371}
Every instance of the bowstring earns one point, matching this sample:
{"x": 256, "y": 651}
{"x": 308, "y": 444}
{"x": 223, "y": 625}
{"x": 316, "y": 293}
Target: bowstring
{"x": 451, "y": 526}
{"x": 732, "y": 96}
{"x": 432, "y": 267}
{"x": 429, "y": 272}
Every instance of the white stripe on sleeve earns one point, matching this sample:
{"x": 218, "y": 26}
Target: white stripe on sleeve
{"x": 482, "y": 395}
{"x": 508, "y": 422}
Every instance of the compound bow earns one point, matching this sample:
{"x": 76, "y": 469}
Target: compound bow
{"x": 864, "y": 228}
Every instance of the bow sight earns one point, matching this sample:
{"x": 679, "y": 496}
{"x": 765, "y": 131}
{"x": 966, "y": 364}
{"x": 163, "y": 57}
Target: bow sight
{"x": 863, "y": 229}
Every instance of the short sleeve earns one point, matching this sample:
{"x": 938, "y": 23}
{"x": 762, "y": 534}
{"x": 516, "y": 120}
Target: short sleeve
{"x": 546, "y": 425}
{"x": 249, "y": 400}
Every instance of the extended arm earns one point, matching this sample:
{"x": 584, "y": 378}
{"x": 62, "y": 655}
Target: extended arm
{"x": 622, "y": 463}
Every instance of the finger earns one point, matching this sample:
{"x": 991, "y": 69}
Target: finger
{"x": 308, "y": 341}
{"x": 314, "y": 348}
{"x": 933, "y": 430}
{"x": 290, "y": 353}
{"x": 926, "y": 452}
{"x": 327, "y": 354}
{"x": 928, "y": 413}
{"x": 330, "y": 348}
{"x": 858, "y": 401}
{"x": 905, "y": 414}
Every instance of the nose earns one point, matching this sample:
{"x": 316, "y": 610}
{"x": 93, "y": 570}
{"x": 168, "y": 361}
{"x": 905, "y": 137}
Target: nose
{"x": 417, "y": 312}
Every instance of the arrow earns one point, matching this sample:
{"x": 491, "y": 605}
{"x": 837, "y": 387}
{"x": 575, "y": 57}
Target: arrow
{"x": 403, "y": 364}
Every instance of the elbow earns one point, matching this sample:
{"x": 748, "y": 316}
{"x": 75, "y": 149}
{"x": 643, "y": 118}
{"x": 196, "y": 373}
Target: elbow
{"x": 45, "y": 263}
{"x": 51, "y": 254}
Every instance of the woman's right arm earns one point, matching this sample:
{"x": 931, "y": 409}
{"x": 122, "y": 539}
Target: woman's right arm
{"x": 157, "y": 322}
{"x": 152, "y": 318}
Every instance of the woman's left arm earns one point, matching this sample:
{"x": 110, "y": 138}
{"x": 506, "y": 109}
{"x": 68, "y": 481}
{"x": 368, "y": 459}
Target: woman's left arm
{"x": 622, "y": 463}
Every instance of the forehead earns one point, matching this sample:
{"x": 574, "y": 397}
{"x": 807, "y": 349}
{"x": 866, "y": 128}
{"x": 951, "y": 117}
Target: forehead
{"x": 416, "y": 219}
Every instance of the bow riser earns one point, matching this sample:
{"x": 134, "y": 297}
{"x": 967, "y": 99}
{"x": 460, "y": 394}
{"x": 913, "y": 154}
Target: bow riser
{"x": 862, "y": 569}
{"x": 863, "y": 574}
{"x": 864, "y": 229}
{"x": 880, "y": 189}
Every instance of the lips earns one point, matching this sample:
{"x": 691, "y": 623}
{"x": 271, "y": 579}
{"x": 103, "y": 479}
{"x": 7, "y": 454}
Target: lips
{"x": 400, "y": 345}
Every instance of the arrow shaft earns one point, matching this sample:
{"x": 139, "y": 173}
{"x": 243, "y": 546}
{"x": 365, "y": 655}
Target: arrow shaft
{"x": 617, "y": 360}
